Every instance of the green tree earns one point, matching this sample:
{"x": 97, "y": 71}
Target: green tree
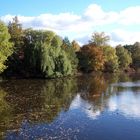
{"x": 99, "y": 39}
{"x": 33, "y": 49}
{"x": 128, "y": 47}
{"x": 71, "y": 53}
{"x": 45, "y": 56}
{"x": 111, "y": 60}
{"x": 124, "y": 57}
{"x": 6, "y": 47}
{"x": 55, "y": 61}
{"x": 66, "y": 43}
{"x": 136, "y": 55}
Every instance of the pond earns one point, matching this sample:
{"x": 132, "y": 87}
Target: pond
{"x": 97, "y": 107}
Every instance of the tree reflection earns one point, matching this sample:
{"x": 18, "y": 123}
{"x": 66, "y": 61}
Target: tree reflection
{"x": 58, "y": 95}
{"x": 5, "y": 113}
{"x": 93, "y": 87}
{"x": 34, "y": 100}
{"x": 39, "y": 104}
{"x": 96, "y": 91}
{"x": 93, "y": 91}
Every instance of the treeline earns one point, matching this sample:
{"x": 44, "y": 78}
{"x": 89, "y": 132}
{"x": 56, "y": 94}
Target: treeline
{"x": 40, "y": 53}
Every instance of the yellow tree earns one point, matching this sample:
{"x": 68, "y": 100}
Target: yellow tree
{"x": 6, "y": 47}
{"x": 111, "y": 59}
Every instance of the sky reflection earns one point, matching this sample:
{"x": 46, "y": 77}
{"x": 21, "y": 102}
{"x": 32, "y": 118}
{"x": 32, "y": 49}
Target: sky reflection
{"x": 124, "y": 101}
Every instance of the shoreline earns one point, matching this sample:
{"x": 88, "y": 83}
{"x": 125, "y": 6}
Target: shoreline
{"x": 78, "y": 74}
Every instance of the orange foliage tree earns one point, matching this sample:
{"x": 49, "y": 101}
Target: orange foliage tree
{"x": 91, "y": 58}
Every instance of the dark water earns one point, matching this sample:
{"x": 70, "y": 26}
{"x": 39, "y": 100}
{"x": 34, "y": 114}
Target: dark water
{"x": 100, "y": 107}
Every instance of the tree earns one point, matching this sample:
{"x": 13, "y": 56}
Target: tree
{"x": 54, "y": 61}
{"x": 45, "y": 56}
{"x": 66, "y": 43}
{"x": 16, "y": 32}
{"x": 32, "y": 50}
{"x": 75, "y": 46}
{"x": 6, "y": 47}
{"x": 124, "y": 57}
{"x": 99, "y": 39}
{"x": 91, "y": 58}
{"x": 136, "y": 55}
{"x": 70, "y": 51}
{"x": 128, "y": 47}
{"x": 15, "y": 61}
{"x": 111, "y": 60}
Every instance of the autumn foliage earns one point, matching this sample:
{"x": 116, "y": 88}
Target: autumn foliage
{"x": 42, "y": 53}
{"x": 91, "y": 58}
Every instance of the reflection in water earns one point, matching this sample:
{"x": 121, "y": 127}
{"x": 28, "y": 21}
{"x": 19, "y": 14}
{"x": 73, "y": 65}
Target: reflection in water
{"x": 88, "y": 108}
{"x": 127, "y": 100}
{"x": 70, "y": 108}
{"x": 128, "y": 105}
{"x": 35, "y": 101}
{"x": 5, "y": 113}
{"x": 91, "y": 96}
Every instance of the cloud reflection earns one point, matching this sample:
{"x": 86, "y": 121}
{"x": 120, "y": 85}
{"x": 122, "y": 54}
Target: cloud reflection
{"x": 124, "y": 101}
{"x": 127, "y": 103}
{"x": 86, "y": 107}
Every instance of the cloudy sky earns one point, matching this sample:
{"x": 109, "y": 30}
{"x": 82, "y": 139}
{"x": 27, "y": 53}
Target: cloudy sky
{"x": 78, "y": 19}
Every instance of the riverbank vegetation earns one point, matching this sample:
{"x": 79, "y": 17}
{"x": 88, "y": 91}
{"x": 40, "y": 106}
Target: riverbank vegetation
{"x": 44, "y": 54}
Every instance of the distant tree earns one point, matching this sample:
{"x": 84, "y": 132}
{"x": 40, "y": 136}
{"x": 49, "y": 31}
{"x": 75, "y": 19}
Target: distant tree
{"x": 70, "y": 50}
{"x": 16, "y": 32}
{"x": 99, "y": 39}
{"x": 6, "y": 47}
{"x": 111, "y": 60}
{"x": 91, "y": 58}
{"x": 128, "y": 47}
{"x": 66, "y": 43}
{"x": 15, "y": 64}
{"x": 76, "y": 46}
{"x": 124, "y": 57}
{"x": 136, "y": 55}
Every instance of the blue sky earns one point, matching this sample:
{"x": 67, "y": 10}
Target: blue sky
{"x": 34, "y": 8}
{"x": 78, "y": 19}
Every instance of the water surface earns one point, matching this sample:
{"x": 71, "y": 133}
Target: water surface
{"x": 99, "y": 107}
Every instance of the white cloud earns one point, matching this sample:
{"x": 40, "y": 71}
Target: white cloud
{"x": 74, "y": 26}
{"x": 120, "y": 36}
{"x": 94, "y": 12}
{"x": 95, "y": 15}
{"x": 130, "y": 16}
